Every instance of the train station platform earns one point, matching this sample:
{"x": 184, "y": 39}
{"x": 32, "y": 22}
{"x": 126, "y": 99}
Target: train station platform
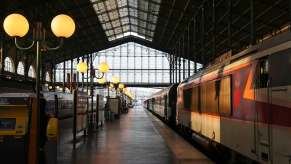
{"x": 137, "y": 138}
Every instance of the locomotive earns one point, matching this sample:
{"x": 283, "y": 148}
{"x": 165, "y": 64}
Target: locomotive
{"x": 242, "y": 103}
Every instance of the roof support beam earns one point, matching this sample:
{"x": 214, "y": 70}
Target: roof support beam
{"x": 177, "y": 24}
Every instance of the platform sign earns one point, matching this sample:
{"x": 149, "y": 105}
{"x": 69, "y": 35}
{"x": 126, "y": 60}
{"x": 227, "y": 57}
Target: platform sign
{"x": 81, "y": 111}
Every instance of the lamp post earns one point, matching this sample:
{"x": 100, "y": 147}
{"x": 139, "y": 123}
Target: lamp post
{"x": 16, "y": 26}
{"x": 121, "y": 87}
{"x": 103, "y": 67}
{"x": 82, "y": 68}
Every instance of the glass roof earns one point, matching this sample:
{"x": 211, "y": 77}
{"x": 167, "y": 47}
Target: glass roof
{"x": 120, "y": 18}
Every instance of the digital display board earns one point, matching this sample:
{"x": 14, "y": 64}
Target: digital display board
{"x": 7, "y": 123}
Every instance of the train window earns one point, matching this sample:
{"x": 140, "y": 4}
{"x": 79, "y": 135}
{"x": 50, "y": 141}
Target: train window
{"x": 225, "y": 96}
{"x": 263, "y": 73}
{"x": 280, "y": 66}
{"x": 195, "y": 99}
{"x": 187, "y": 96}
{"x": 209, "y": 100}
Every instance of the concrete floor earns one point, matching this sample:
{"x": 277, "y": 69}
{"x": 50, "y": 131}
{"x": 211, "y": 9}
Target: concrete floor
{"x": 136, "y": 138}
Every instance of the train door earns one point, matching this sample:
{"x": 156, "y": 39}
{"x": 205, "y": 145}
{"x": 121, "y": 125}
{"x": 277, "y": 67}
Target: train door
{"x": 262, "y": 116}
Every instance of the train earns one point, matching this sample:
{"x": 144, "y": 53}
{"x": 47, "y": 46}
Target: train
{"x": 240, "y": 104}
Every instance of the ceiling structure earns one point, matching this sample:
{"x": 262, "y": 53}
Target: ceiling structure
{"x": 196, "y": 29}
{"x": 121, "y": 18}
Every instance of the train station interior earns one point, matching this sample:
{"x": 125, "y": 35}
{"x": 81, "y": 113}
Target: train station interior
{"x": 145, "y": 81}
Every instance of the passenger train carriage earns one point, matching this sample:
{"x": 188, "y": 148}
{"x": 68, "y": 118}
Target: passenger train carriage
{"x": 244, "y": 102}
{"x": 163, "y": 103}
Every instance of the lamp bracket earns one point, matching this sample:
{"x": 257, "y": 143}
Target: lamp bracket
{"x": 23, "y": 48}
{"x": 61, "y": 42}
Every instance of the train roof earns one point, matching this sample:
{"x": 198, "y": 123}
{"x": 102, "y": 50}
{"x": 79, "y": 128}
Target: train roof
{"x": 163, "y": 91}
{"x": 229, "y": 58}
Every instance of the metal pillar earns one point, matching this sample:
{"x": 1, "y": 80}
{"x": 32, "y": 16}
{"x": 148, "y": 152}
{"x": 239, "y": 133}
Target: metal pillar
{"x": 148, "y": 51}
{"x": 170, "y": 65}
{"x": 87, "y": 91}
{"x": 92, "y": 88}
{"x": 176, "y": 66}
{"x": 54, "y": 77}
{"x": 82, "y": 77}
{"x": 71, "y": 80}
{"x": 188, "y": 50}
{"x": 64, "y": 76}
{"x": 78, "y": 74}
{"x": 87, "y": 79}
{"x": 202, "y": 35}
{"x": 183, "y": 53}
{"x": 194, "y": 45}
{"x": 179, "y": 53}
{"x": 134, "y": 66}
{"x": 37, "y": 89}
{"x": 51, "y": 74}
{"x": 156, "y": 66}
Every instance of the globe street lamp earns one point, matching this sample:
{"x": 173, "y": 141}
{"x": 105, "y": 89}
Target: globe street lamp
{"x": 17, "y": 26}
{"x": 121, "y": 86}
{"x": 82, "y": 68}
{"x": 101, "y": 81}
{"x": 115, "y": 82}
{"x": 103, "y": 67}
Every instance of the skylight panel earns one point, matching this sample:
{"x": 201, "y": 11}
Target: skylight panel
{"x": 143, "y": 5}
{"x": 115, "y": 23}
{"x": 108, "y": 25}
{"x": 118, "y": 30}
{"x": 133, "y": 3}
{"x": 133, "y": 21}
{"x": 110, "y": 4}
{"x": 141, "y": 31}
{"x": 113, "y": 15}
{"x": 134, "y": 28}
{"x": 105, "y": 17}
{"x": 132, "y": 12}
{"x": 142, "y": 23}
{"x": 125, "y": 28}
{"x": 122, "y": 3}
{"x": 123, "y": 12}
{"x": 110, "y": 32}
{"x": 124, "y": 21}
{"x": 121, "y": 18}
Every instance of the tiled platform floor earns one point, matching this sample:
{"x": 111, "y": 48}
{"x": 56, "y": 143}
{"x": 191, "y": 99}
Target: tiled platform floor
{"x": 136, "y": 138}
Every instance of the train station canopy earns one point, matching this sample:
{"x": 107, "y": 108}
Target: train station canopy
{"x": 198, "y": 30}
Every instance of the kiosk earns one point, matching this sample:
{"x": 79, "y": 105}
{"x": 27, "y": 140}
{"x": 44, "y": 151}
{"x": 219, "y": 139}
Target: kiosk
{"x": 19, "y": 134}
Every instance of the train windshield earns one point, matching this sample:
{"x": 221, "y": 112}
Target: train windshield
{"x": 280, "y": 67}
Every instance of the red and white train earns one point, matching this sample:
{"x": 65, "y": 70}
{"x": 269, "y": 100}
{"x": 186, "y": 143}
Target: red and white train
{"x": 243, "y": 103}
